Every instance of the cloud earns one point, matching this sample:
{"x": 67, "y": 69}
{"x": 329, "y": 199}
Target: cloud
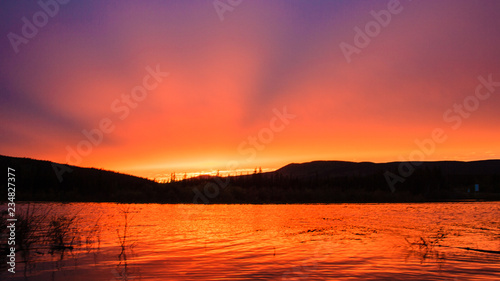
{"x": 226, "y": 77}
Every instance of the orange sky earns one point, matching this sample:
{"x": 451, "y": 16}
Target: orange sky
{"x": 226, "y": 77}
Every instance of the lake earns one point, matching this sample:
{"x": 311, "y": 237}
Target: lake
{"x": 107, "y": 241}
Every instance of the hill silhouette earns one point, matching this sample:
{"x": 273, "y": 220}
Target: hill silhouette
{"x": 312, "y": 182}
{"x": 342, "y": 168}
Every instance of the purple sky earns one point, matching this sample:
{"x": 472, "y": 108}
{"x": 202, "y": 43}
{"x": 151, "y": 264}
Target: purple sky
{"x": 227, "y": 76}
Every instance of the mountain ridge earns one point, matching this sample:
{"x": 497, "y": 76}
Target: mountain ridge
{"x": 449, "y": 166}
{"x": 319, "y": 181}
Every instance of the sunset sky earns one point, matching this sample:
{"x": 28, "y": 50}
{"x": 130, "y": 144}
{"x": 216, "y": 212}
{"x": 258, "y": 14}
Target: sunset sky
{"x": 232, "y": 73}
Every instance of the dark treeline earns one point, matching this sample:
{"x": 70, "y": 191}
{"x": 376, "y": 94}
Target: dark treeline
{"x": 315, "y": 182}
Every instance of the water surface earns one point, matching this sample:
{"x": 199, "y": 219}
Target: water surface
{"x": 431, "y": 241}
